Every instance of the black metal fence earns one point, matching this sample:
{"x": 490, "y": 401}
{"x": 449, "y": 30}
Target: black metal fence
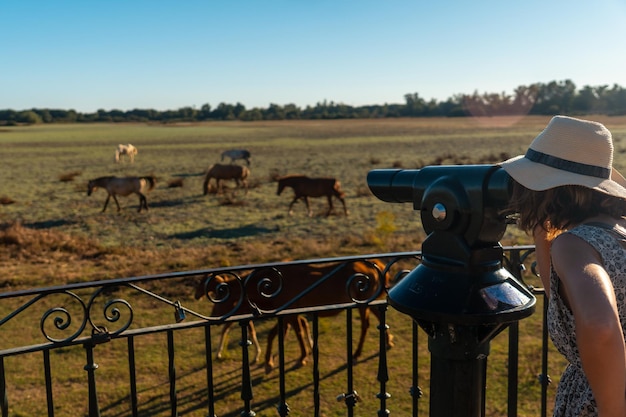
{"x": 108, "y": 322}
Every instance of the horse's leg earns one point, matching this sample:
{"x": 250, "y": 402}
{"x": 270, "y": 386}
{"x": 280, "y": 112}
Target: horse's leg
{"x": 143, "y": 202}
{"x": 106, "y": 202}
{"x": 308, "y": 207}
{"x": 291, "y": 205}
{"x": 307, "y": 332}
{"x": 116, "y": 202}
{"x": 301, "y": 326}
{"x": 223, "y": 339}
{"x": 269, "y": 360}
{"x": 364, "y": 313}
{"x": 345, "y": 209}
{"x": 330, "y": 205}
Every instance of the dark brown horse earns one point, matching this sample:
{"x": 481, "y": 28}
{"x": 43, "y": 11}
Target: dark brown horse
{"x": 123, "y": 186}
{"x": 221, "y": 172}
{"x": 305, "y": 187}
{"x": 303, "y": 286}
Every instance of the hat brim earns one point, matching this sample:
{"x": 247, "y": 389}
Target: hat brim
{"x": 540, "y": 177}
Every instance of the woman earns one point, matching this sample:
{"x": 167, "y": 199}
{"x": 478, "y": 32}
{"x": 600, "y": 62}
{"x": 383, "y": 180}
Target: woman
{"x": 573, "y": 202}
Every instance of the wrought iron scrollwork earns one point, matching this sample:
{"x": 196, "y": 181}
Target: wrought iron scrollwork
{"x": 61, "y": 319}
{"x": 111, "y": 312}
{"x": 226, "y": 290}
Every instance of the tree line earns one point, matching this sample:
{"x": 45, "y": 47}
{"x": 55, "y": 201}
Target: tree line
{"x": 556, "y": 97}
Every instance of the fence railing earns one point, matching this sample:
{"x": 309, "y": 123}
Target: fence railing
{"x": 112, "y": 332}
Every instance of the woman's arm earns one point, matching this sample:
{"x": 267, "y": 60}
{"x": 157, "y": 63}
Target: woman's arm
{"x": 588, "y": 290}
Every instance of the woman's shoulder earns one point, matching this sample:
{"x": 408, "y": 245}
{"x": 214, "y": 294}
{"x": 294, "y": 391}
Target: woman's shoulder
{"x": 576, "y": 245}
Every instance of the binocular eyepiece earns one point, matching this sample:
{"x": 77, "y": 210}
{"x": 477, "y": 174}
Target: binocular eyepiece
{"x": 466, "y": 200}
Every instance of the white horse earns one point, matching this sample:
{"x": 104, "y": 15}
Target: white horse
{"x": 128, "y": 150}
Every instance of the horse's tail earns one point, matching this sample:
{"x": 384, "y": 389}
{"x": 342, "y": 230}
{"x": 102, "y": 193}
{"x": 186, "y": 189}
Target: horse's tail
{"x": 151, "y": 181}
{"x": 117, "y": 155}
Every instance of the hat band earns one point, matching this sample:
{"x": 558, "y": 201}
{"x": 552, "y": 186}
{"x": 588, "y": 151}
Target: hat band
{"x": 565, "y": 165}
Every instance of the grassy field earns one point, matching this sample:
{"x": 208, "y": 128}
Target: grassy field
{"x": 52, "y": 233}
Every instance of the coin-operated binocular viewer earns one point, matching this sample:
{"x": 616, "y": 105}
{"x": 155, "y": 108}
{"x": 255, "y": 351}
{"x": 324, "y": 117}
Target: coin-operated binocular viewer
{"x": 460, "y": 294}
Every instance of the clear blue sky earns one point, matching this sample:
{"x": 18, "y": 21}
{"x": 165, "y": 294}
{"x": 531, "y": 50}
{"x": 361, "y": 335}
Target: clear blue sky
{"x": 125, "y": 54}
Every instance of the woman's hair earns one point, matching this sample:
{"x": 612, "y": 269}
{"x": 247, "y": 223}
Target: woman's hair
{"x": 559, "y": 208}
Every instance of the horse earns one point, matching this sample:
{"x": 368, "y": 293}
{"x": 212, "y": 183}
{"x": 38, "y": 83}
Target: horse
{"x": 304, "y": 286}
{"x": 123, "y": 186}
{"x": 128, "y": 150}
{"x": 305, "y": 187}
{"x": 235, "y": 154}
{"x": 226, "y": 172}
{"x": 230, "y": 305}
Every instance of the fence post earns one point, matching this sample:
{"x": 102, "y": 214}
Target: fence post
{"x": 3, "y": 391}
{"x": 90, "y": 367}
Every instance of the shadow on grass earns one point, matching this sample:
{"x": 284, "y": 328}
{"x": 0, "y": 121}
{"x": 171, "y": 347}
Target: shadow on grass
{"x": 243, "y": 231}
{"x": 191, "y": 399}
{"x": 49, "y": 224}
{"x": 186, "y": 175}
{"x": 167, "y": 203}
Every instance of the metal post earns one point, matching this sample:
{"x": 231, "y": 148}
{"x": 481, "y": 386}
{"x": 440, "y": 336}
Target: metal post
{"x": 90, "y": 367}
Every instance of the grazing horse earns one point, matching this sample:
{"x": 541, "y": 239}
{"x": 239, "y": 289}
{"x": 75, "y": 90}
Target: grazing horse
{"x": 128, "y": 150}
{"x": 303, "y": 286}
{"x": 235, "y": 154}
{"x": 226, "y": 172}
{"x": 305, "y": 187}
{"x": 230, "y": 305}
{"x": 123, "y": 186}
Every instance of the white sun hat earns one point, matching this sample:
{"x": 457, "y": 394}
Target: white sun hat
{"x": 569, "y": 151}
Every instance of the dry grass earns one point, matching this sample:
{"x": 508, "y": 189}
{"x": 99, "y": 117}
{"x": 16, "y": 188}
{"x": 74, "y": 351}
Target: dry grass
{"x": 51, "y": 233}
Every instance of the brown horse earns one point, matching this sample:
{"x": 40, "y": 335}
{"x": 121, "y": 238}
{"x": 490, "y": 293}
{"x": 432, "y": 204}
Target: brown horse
{"x": 230, "y": 306}
{"x": 220, "y": 172}
{"x": 305, "y": 187}
{"x": 305, "y": 286}
{"x": 123, "y": 186}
